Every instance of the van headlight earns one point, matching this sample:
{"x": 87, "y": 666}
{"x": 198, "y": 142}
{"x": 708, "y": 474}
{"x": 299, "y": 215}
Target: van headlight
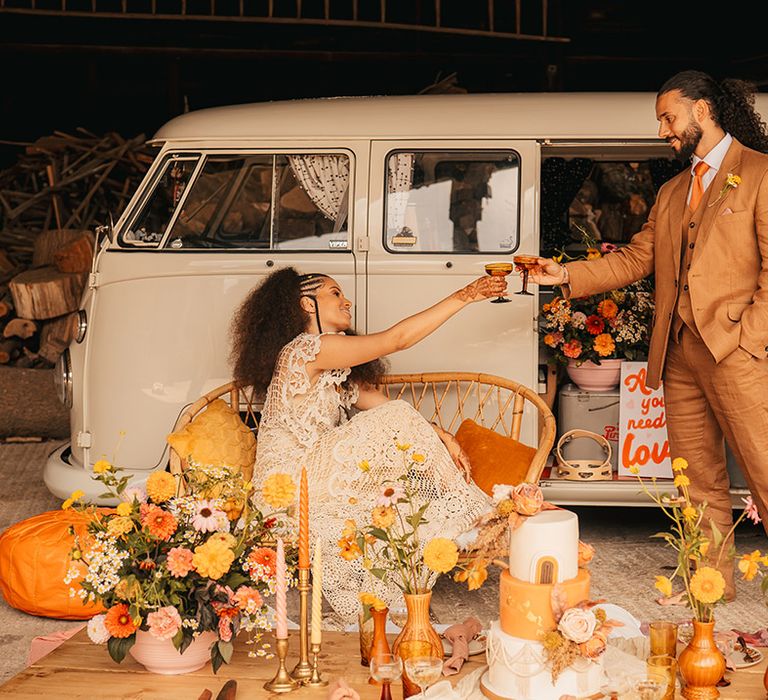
{"x": 62, "y": 378}
{"x": 82, "y": 325}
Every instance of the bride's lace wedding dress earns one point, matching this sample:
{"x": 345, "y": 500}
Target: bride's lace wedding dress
{"x": 306, "y": 425}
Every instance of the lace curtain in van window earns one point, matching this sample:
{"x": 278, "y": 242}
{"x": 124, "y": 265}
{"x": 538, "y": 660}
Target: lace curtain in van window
{"x": 399, "y": 180}
{"x": 325, "y": 179}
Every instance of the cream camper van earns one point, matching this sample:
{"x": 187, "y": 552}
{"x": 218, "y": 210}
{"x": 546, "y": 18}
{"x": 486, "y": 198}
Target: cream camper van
{"x": 401, "y": 199}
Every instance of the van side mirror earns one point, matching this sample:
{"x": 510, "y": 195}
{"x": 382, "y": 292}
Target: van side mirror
{"x": 104, "y": 233}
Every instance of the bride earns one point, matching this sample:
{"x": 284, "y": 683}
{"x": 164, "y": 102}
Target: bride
{"x": 292, "y": 341}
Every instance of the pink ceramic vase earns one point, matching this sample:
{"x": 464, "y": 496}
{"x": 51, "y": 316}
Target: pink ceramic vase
{"x": 160, "y": 656}
{"x": 591, "y": 377}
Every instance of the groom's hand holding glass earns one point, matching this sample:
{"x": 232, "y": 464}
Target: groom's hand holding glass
{"x": 547, "y": 271}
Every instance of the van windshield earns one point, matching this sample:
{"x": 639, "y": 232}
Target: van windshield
{"x": 264, "y": 201}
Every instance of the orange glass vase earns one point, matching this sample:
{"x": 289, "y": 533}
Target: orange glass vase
{"x": 380, "y": 644}
{"x": 418, "y": 637}
{"x": 701, "y": 664}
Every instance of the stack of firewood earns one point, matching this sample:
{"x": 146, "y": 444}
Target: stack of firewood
{"x": 58, "y": 191}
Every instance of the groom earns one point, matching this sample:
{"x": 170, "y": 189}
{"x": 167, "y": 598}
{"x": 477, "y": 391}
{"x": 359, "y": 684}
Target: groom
{"x": 706, "y": 240}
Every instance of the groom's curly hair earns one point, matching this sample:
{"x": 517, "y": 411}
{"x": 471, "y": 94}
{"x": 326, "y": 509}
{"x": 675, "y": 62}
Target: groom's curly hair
{"x": 269, "y": 318}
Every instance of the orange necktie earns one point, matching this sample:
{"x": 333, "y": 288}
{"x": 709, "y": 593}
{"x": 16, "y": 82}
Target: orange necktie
{"x": 697, "y": 191}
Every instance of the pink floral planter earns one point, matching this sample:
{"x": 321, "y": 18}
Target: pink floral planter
{"x": 160, "y": 656}
{"x": 591, "y": 377}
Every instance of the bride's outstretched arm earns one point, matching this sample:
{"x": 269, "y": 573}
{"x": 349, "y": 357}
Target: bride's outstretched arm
{"x": 348, "y": 351}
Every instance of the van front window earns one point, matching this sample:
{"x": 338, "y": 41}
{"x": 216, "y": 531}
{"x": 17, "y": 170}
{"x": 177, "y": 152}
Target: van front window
{"x": 460, "y": 201}
{"x": 266, "y": 201}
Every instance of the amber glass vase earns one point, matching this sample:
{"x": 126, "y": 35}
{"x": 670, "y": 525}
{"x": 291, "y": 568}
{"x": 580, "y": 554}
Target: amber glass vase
{"x": 379, "y": 644}
{"x": 418, "y": 637}
{"x": 366, "y": 637}
{"x": 701, "y": 664}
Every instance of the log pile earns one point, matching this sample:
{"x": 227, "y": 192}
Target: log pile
{"x": 61, "y": 187}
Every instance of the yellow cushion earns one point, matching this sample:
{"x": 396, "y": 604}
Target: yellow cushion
{"x": 495, "y": 458}
{"x": 217, "y": 436}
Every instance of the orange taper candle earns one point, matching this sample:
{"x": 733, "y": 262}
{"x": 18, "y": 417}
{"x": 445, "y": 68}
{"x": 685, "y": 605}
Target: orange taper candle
{"x": 303, "y": 521}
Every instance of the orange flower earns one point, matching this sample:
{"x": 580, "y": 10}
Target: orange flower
{"x": 475, "y": 575}
{"x": 607, "y": 308}
{"x": 595, "y": 324}
{"x": 572, "y": 349}
{"x": 604, "y": 344}
{"x": 265, "y": 558}
{"x": 593, "y": 647}
{"x": 160, "y": 523}
{"x": 349, "y": 548}
{"x": 586, "y": 553}
{"x": 118, "y": 622}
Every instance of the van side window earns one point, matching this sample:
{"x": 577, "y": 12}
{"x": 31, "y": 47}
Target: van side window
{"x": 452, "y": 201}
{"x": 269, "y": 202}
{"x": 149, "y": 226}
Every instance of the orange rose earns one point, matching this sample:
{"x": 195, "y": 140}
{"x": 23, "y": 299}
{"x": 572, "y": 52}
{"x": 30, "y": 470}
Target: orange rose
{"x": 527, "y": 498}
{"x": 586, "y": 552}
{"x": 593, "y": 647}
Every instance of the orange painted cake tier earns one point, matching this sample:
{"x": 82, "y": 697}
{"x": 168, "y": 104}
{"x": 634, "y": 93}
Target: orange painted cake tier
{"x": 526, "y": 608}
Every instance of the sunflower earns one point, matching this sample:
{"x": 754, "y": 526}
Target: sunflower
{"x": 441, "y": 554}
{"x": 707, "y": 585}
{"x": 118, "y": 621}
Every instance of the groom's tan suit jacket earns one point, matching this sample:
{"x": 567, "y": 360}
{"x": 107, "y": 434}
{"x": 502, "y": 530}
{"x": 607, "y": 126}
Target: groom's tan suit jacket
{"x": 728, "y": 274}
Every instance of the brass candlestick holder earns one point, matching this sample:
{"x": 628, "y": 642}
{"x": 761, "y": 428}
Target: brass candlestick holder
{"x": 282, "y": 682}
{"x": 315, "y": 681}
{"x": 302, "y": 672}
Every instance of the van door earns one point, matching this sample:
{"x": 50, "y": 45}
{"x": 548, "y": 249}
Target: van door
{"x": 439, "y": 211}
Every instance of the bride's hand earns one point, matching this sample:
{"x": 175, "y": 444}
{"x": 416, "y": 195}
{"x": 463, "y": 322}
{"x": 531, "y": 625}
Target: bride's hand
{"x": 459, "y": 457}
{"x": 485, "y": 287}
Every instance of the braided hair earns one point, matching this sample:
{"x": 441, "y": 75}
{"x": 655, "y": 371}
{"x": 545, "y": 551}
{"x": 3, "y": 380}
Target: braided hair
{"x": 269, "y": 318}
{"x": 731, "y": 103}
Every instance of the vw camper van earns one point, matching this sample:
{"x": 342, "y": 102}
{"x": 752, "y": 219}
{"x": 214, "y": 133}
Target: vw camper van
{"x": 401, "y": 199}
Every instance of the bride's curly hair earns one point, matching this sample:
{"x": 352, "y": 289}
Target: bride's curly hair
{"x": 269, "y": 318}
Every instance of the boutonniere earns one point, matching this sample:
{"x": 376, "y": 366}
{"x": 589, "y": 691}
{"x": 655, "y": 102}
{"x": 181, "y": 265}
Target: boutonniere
{"x": 731, "y": 183}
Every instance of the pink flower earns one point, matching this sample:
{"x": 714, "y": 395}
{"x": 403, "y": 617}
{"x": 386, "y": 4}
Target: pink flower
{"x": 164, "y": 623}
{"x": 608, "y": 247}
{"x": 750, "y": 510}
{"x": 390, "y": 495}
{"x": 248, "y": 599}
{"x": 179, "y": 561}
{"x": 134, "y": 492}
{"x": 208, "y": 518}
{"x": 572, "y": 349}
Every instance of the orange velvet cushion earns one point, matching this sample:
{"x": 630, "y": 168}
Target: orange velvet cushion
{"x": 34, "y": 559}
{"x": 495, "y": 458}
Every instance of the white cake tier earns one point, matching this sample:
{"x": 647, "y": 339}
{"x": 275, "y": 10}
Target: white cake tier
{"x": 545, "y": 548}
{"x": 518, "y": 669}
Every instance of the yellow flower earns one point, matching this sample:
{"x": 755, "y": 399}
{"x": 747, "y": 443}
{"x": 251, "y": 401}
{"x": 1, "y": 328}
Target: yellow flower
{"x": 704, "y": 548}
{"x": 593, "y": 254}
{"x": 707, "y": 585}
{"x": 682, "y": 480}
{"x": 403, "y": 447}
{"x": 557, "y": 258}
{"x": 733, "y": 180}
{"x": 441, "y": 554}
{"x": 383, "y": 516}
{"x": 634, "y": 469}
{"x": 102, "y": 466}
{"x": 604, "y": 344}
{"x": 279, "y": 490}
{"x": 74, "y": 496}
{"x": 124, "y": 508}
{"x": 350, "y": 529}
{"x": 119, "y": 526}
{"x": 349, "y": 549}
{"x": 476, "y": 574}
{"x": 212, "y": 559}
{"x": 749, "y": 565}
{"x": 161, "y": 486}
{"x": 224, "y": 538}
{"x": 690, "y": 513}
{"x": 506, "y": 507}
{"x": 664, "y": 585}
{"x": 679, "y": 464}
{"x": 364, "y": 466}
{"x": 418, "y": 458}
{"x": 372, "y": 600}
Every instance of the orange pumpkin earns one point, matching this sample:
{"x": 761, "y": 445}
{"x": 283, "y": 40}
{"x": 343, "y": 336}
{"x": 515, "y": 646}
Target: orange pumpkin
{"x": 34, "y": 559}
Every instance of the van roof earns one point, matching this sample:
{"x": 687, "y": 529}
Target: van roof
{"x": 583, "y": 115}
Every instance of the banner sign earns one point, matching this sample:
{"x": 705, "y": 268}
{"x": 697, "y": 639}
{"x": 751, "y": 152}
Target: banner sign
{"x": 642, "y": 425}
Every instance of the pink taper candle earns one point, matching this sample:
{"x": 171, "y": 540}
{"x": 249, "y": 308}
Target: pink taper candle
{"x": 281, "y": 588}
{"x": 303, "y": 521}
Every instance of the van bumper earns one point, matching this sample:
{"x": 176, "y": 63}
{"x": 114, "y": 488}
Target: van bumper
{"x": 62, "y": 475}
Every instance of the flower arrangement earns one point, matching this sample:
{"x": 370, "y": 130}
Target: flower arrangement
{"x": 390, "y": 544}
{"x": 177, "y": 566}
{"x": 703, "y": 582}
{"x": 600, "y": 327}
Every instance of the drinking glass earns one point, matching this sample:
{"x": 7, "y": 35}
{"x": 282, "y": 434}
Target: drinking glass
{"x": 651, "y": 685}
{"x": 666, "y": 665}
{"x": 663, "y": 638}
{"x": 398, "y": 613}
{"x": 526, "y": 263}
{"x": 499, "y": 269}
{"x": 424, "y": 671}
{"x": 386, "y": 669}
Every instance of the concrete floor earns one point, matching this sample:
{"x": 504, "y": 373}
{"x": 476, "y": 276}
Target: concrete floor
{"x": 623, "y": 570}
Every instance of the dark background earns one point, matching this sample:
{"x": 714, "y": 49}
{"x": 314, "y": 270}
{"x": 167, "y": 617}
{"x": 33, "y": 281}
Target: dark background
{"x": 110, "y": 65}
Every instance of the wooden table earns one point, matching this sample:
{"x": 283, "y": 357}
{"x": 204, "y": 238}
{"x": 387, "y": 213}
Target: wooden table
{"x": 79, "y": 669}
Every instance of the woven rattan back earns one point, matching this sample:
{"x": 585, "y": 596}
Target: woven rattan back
{"x": 444, "y": 398}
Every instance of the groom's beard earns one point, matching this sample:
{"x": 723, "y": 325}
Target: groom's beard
{"x": 688, "y": 141}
